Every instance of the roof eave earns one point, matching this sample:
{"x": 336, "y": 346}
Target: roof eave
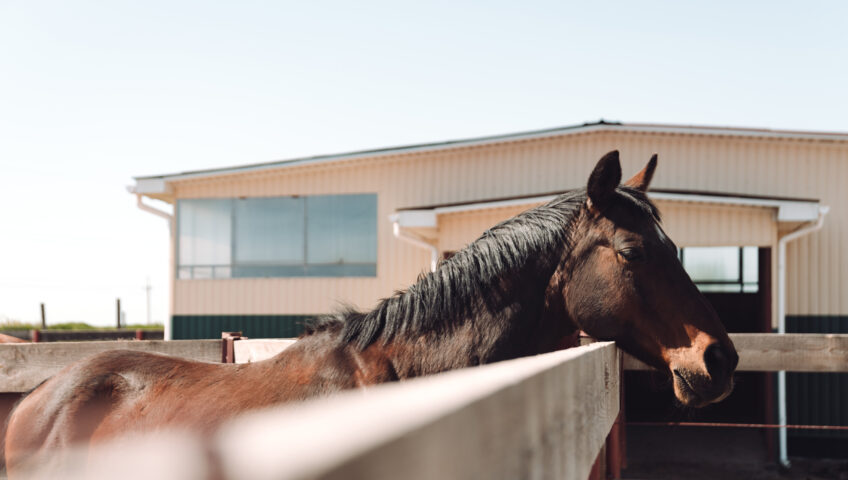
{"x": 787, "y": 210}
{"x": 514, "y": 137}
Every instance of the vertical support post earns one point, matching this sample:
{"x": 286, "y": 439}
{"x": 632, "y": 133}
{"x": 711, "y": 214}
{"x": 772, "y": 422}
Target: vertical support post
{"x": 228, "y": 354}
{"x": 43, "y": 317}
{"x": 616, "y": 438}
{"x": 614, "y": 450}
{"x": 118, "y": 316}
{"x": 623, "y": 412}
{"x": 783, "y": 453}
{"x": 595, "y": 473}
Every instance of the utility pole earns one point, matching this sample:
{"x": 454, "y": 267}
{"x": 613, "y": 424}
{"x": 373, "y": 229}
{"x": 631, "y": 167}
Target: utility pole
{"x": 118, "y": 317}
{"x": 43, "y": 318}
{"x": 147, "y": 290}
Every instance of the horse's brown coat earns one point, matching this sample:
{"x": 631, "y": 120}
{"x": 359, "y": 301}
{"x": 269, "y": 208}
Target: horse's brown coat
{"x": 595, "y": 260}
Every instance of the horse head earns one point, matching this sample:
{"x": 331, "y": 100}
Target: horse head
{"x": 623, "y": 282}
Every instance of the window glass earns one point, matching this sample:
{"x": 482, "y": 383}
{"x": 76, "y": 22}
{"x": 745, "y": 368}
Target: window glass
{"x": 204, "y": 226}
{"x": 341, "y": 229}
{"x": 717, "y": 269}
{"x": 269, "y": 231}
{"x": 712, "y": 264}
{"x": 320, "y": 236}
{"x": 750, "y": 265}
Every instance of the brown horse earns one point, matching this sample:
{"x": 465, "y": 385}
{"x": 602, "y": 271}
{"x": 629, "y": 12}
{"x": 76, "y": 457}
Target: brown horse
{"x": 10, "y": 339}
{"x": 594, "y": 259}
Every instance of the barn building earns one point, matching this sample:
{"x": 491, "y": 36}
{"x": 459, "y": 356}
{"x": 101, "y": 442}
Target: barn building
{"x": 760, "y": 217}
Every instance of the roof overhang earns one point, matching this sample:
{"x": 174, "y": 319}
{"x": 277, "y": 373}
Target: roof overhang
{"x": 786, "y": 210}
{"x": 601, "y": 126}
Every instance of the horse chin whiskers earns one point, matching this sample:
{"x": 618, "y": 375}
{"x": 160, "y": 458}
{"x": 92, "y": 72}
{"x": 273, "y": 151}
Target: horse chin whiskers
{"x": 695, "y": 390}
{"x": 684, "y": 392}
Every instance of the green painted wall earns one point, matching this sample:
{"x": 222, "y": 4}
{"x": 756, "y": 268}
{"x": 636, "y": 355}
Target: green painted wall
{"x": 186, "y": 327}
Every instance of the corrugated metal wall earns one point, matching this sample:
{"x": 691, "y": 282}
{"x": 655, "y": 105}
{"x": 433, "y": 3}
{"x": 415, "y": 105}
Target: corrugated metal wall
{"x": 818, "y": 268}
{"x": 456, "y": 230}
{"x": 689, "y": 224}
{"x": 698, "y": 225}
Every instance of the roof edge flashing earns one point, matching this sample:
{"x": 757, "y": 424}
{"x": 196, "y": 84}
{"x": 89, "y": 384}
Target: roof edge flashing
{"x": 786, "y": 210}
{"x": 505, "y": 138}
{"x": 415, "y": 218}
{"x": 150, "y": 186}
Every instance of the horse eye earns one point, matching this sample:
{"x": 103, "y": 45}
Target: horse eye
{"x": 631, "y": 254}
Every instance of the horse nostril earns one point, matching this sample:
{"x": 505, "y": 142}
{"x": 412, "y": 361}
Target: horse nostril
{"x": 720, "y": 360}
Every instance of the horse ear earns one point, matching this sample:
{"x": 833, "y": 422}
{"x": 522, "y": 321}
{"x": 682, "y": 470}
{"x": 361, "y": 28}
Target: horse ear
{"x": 603, "y": 180}
{"x": 642, "y": 179}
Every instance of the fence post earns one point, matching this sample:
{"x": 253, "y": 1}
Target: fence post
{"x": 616, "y": 443}
{"x": 599, "y": 468}
{"x": 43, "y": 317}
{"x": 228, "y": 354}
{"x": 614, "y": 450}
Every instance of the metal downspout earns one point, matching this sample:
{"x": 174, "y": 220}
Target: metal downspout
{"x": 167, "y": 216}
{"x": 147, "y": 208}
{"x": 781, "y": 323}
{"x": 417, "y": 241}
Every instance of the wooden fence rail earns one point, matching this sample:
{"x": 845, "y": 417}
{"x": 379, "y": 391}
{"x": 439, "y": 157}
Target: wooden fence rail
{"x": 793, "y": 352}
{"x": 540, "y": 417}
{"x": 758, "y": 352}
{"x": 537, "y": 417}
{"x": 24, "y": 365}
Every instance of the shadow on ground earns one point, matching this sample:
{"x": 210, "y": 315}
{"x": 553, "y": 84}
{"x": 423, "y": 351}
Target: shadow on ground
{"x": 665, "y": 453}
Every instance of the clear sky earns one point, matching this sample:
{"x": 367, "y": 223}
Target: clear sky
{"x": 95, "y": 92}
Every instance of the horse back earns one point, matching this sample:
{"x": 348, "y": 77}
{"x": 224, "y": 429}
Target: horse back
{"x": 122, "y": 390}
{"x": 71, "y": 406}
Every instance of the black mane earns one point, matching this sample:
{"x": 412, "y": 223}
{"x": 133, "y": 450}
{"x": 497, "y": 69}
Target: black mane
{"x": 477, "y": 279}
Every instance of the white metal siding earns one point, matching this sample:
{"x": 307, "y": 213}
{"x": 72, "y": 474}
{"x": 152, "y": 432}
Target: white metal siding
{"x": 818, "y": 268}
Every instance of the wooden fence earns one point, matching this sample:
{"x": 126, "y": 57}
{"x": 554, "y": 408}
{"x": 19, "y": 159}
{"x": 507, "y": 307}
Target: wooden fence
{"x": 51, "y": 335}
{"x": 537, "y": 417}
{"x": 24, "y": 365}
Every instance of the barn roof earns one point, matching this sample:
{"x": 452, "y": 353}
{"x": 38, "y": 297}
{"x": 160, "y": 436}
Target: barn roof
{"x": 155, "y": 183}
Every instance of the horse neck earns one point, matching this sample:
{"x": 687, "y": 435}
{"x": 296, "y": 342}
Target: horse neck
{"x": 519, "y": 315}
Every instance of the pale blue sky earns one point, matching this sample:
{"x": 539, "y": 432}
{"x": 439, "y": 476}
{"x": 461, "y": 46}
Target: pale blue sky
{"x": 95, "y": 92}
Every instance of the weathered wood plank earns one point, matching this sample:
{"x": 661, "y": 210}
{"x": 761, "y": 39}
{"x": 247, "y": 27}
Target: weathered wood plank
{"x": 250, "y": 350}
{"x": 538, "y": 417}
{"x": 23, "y": 366}
{"x": 793, "y": 352}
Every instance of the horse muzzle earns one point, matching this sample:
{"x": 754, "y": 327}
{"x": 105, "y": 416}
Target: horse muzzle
{"x": 697, "y": 384}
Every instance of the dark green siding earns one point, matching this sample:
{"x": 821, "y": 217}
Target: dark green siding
{"x": 817, "y": 398}
{"x": 185, "y": 327}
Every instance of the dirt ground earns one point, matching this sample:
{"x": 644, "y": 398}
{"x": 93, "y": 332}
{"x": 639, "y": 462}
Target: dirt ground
{"x": 715, "y": 454}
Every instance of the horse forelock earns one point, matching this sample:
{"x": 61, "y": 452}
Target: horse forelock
{"x": 640, "y": 200}
{"x": 476, "y": 277}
